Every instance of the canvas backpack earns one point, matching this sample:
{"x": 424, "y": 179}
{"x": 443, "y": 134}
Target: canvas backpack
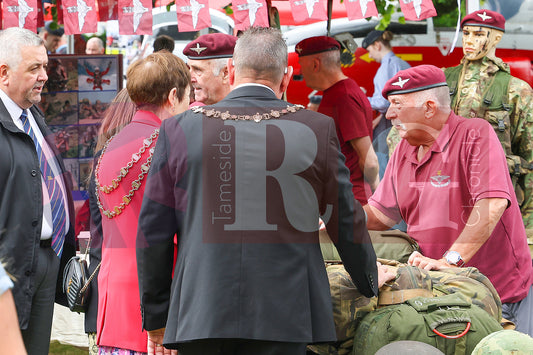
{"x": 451, "y": 323}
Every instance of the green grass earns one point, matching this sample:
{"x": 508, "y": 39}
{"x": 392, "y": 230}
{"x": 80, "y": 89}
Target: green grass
{"x": 56, "y": 348}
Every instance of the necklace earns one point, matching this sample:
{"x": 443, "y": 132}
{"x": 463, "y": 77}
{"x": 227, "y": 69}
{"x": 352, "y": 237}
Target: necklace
{"x": 135, "y": 185}
{"x": 257, "y": 117}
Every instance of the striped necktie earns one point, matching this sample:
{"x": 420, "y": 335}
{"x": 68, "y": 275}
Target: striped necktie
{"x": 54, "y": 191}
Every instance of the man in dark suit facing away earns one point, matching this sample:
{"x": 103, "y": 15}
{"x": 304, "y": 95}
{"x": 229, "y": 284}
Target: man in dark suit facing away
{"x": 242, "y": 183}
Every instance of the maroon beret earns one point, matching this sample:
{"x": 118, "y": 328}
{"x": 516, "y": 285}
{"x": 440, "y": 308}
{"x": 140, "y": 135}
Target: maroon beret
{"x": 417, "y": 78}
{"x": 484, "y": 18}
{"x": 211, "y": 46}
{"x": 317, "y": 44}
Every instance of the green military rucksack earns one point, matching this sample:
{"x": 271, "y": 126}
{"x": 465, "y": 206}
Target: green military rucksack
{"x": 350, "y": 307}
{"x": 451, "y": 323}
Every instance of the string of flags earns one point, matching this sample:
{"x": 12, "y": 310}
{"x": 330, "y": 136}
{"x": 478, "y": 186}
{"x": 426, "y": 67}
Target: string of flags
{"x": 135, "y": 16}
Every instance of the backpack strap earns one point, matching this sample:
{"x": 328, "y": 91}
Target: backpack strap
{"x": 452, "y": 79}
{"x": 386, "y": 298}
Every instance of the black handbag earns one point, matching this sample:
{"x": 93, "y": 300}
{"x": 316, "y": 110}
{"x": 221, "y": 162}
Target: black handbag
{"x": 76, "y": 283}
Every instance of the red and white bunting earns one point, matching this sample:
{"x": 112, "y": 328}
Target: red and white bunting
{"x": 417, "y": 10}
{"x": 40, "y": 14}
{"x": 248, "y": 13}
{"x": 309, "y": 9}
{"x": 193, "y": 15}
{"x": 135, "y": 17}
{"x": 80, "y": 16}
{"x": 107, "y": 10}
{"x": 358, "y": 9}
{"x": 20, "y": 13}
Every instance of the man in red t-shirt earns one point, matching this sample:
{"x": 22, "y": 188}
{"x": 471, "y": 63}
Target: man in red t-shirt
{"x": 448, "y": 180}
{"x": 345, "y": 102}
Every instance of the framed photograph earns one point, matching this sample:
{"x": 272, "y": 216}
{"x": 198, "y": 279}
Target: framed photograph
{"x": 66, "y": 140}
{"x": 60, "y": 108}
{"x": 62, "y": 74}
{"x": 92, "y": 106}
{"x": 97, "y": 73}
{"x": 78, "y": 91}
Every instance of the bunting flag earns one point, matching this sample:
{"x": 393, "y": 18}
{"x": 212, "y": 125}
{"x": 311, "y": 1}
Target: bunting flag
{"x": 248, "y": 13}
{"x": 80, "y": 16}
{"x": 417, "y": 10}
{"x": 309, "y": 9}
{"x": 59, "y": 5}
{"x": 135, "y": 17}
{"x": 358, "y": 9}
{"x": 193, "y": 15}
{"x": 40, "y": 14}
{"x": 107, "y": 10}
{"x": 20, "y": 13}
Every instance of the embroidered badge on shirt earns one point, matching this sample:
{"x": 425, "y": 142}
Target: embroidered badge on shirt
{"x": 440, "y": 180}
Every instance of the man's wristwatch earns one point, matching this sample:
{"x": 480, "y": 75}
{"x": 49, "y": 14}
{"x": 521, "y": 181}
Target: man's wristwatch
{"x": 453, "y": 258}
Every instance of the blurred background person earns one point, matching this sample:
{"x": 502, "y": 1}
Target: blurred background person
{"x": 51, "y": 34}
{"x": 164, "y": 42}
{"x": 95, "y": 45}
{"x": 377, "y": 43}
{"x": 159, "y": 86}
{"x": 119, "y": 114}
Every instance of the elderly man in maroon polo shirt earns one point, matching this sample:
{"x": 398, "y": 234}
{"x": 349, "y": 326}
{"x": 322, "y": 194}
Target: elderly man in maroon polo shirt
{"x": 207, "y": 58}
{"x": 448, "y": 180}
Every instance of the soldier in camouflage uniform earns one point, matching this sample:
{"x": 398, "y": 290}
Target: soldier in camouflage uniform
{"x": 481, "y": 86}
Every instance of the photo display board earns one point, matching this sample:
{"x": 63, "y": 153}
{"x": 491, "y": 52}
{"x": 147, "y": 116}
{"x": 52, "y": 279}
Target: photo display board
{"x": 78, "y": 91}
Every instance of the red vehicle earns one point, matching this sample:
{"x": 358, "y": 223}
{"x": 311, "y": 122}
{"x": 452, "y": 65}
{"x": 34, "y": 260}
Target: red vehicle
{"x": 415, "y": 42}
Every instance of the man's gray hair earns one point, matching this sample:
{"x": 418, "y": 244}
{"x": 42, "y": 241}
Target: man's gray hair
{"x": 218, "y": 64}
{"x": 261, "y": 53}
{"x": 331, "y": 60}
{"x": 12, "y": 40}
{"x": 439, "y": 94}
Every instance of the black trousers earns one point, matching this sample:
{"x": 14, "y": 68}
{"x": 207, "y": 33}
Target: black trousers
{"x": 37, "y": 336}
{"x": 240, "y": 347}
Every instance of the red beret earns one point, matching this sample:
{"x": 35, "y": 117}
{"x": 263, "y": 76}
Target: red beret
{"x": 211, "y": 46}
{"x": 484, "y": 18}
{"x": 317, "y": 44}
{"x": 417, "y": 78}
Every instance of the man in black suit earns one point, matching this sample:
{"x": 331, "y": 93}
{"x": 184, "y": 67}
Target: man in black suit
{"x": 36, "y": 209}
{"x": 243, "y": 183}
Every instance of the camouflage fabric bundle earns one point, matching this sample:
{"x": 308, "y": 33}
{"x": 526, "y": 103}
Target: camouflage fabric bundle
{"x": 391, "y": 244}
{"x": 349, "y": 306}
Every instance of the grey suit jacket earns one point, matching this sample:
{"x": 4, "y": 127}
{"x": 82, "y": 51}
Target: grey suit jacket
{"x": 244, "y": 199}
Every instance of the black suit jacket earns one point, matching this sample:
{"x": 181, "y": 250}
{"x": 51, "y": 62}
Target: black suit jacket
{"x": 244, "y": 198}
{"x": 21, "y": 209}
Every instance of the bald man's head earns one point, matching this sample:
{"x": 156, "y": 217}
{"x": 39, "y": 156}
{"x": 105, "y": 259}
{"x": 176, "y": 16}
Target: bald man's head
{"x": 94, "y": 46}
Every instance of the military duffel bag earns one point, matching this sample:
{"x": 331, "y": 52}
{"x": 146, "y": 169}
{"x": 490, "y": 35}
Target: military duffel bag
{"x": 451, "y": 323}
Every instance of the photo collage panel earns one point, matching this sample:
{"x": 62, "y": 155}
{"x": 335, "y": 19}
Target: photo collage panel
{"x": 74, "y": 100}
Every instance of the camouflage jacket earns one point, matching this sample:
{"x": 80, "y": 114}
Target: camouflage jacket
{"x": 513, "y": 122}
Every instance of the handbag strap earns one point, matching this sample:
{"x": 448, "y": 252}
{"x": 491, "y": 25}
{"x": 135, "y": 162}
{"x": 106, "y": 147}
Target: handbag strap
{"x": 88, "y": 282}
